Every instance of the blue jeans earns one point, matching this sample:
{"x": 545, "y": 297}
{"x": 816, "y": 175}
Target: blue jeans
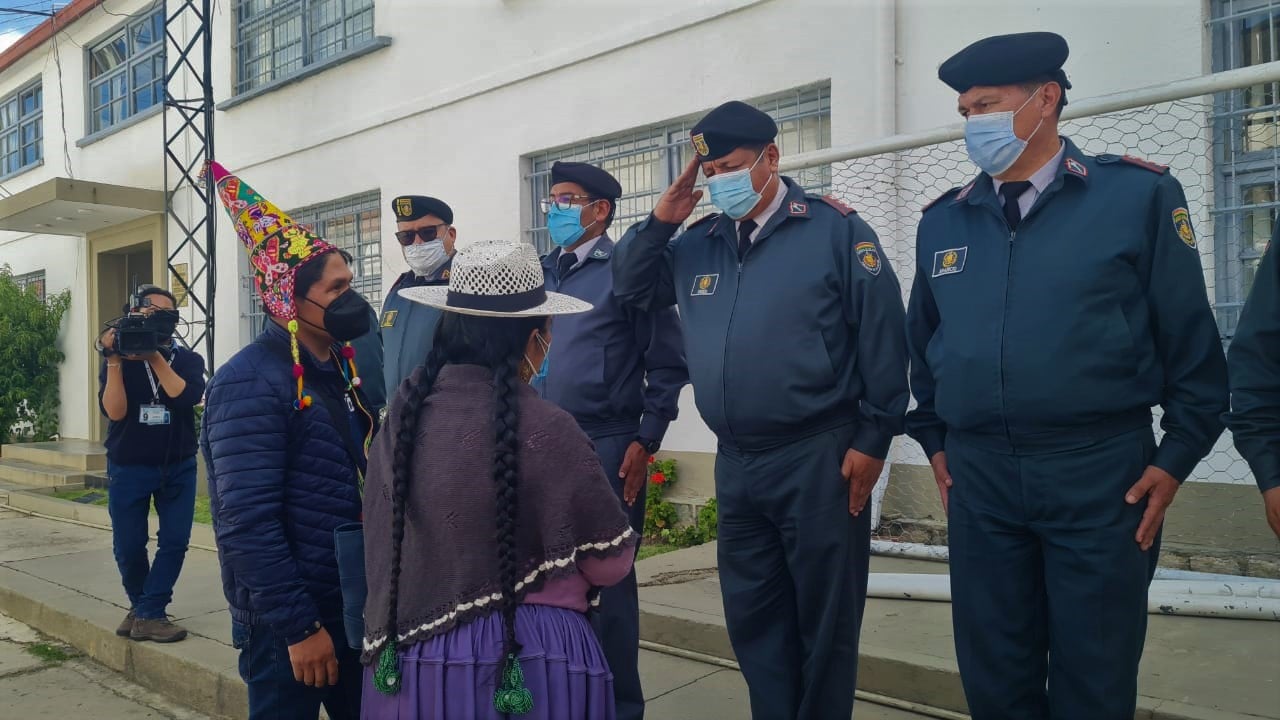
{"x": 133, "y": 487}
{"x": 274, "y": 694}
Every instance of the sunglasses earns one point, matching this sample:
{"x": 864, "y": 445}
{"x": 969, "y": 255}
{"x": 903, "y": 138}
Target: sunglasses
{"x": 427, "y": 234}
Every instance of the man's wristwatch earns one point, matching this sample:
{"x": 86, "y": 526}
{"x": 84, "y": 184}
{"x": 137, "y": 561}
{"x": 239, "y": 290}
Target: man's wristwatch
{"x": 650, "y": 446}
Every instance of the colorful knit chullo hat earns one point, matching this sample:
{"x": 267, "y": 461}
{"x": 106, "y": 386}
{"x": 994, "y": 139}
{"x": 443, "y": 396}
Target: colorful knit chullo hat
{"x": 277, "y": 248}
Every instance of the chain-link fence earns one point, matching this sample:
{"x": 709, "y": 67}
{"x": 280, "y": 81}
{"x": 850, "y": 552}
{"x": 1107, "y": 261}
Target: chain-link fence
{"x": 1219, "y": 139}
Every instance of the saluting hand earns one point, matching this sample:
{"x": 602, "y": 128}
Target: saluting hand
{"x": 677, "y": 203}
{"x": 862, "y": 472}
{"x": 1160, "y": 487}
{"x": 941, "y": 476}
{"x": 635, "y": 465}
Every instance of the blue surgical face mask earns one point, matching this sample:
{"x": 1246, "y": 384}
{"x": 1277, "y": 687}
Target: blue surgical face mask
{"x": 540, "y": 373}
{"x": 565, "y": 226}
{"x": 733, "y": 192}
{"x": 991, "y": 141}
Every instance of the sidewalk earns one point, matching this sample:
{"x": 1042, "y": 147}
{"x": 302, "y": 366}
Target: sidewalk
{"x": 61, "y": 579}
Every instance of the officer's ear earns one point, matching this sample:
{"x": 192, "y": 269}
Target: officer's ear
{"x": 772, "y": 155}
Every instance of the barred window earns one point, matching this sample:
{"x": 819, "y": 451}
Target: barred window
{"x": 1246, "y": 149}
{"x": 126, "y": 72}
{"x": 21, "y": 130}
{"x": 279, "y": 38}
{"x": 647, "y": 160}
{"x": 33, "y": 281}
{"x": 352, "y": 223}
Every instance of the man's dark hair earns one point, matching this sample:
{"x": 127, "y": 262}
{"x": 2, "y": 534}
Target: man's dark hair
{"x": 310, "y": 273}
{"x": 147, "y": 290}
{"x": 1033, "y": 84}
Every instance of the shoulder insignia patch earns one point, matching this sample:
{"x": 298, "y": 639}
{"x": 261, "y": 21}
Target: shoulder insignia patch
{"x": 868, "y": 256}
{"x": 1182, "y": 224}
{"x": 964, "y": 192}
{"x": 838, "y": 205}
{"x": 940, "y": 198}
{"x": 1076, "y": 167}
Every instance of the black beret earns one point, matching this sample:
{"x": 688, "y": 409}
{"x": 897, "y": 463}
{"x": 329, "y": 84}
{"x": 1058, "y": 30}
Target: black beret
{"x": 729, "y": 127}
{"x": 408, "y": 208}
{"x": 1007, "y": 60}
{"x": 596, "y": 181}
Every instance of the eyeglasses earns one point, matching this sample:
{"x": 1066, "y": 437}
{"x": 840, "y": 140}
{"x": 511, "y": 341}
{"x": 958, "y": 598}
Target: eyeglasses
{"x": 562, "y": 202}
{"x": 406, "y": 237}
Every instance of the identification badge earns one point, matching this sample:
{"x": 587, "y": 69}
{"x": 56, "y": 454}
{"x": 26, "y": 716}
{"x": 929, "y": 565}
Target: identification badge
{"x": 949, "y": 262}
{"x": 153, "y": 415}
{"x": 705, "y": 284}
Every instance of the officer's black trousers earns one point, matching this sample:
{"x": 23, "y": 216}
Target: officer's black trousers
{"x": 617, "y": 623}
{"x": 793, "y": 573}
{"x": 1049, "y": 588}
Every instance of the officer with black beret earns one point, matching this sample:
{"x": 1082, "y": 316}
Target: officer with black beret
{"x": 1254, "y": 363}
{"x": 425, "y": 231}
{"x": 619, "y": 372}
{"x": 794, "y": 333}
{"x": 1058, "y": 297}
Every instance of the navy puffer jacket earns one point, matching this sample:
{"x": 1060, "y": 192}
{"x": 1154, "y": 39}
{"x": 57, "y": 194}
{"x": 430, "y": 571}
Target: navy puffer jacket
{"x": 280, "y": 481}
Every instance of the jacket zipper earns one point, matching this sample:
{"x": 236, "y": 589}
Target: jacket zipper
{"x": 724, "y": 361}
{"x": 1004, "y": 322}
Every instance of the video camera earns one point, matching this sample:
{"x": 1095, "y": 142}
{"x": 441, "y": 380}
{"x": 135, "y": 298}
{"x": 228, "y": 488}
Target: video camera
{"x": 139, "y": 334}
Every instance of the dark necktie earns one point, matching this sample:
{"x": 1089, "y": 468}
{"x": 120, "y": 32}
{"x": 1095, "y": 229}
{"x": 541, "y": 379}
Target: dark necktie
{"x": 745, "y": 228}
{"x": 566, "y": 263}
{"x": 1010, "y": 192}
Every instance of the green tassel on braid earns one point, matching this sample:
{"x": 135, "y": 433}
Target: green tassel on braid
{"x": 386, "y": 678}
{"x": 512, "y": 697}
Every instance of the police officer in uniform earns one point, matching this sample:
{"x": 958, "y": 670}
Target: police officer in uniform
{"x": 1254, "y": 362}
{"x": 424, "y": 229}
{"x": 794, "y": 333}
{"x": 618, "y": 371}
{"x": 1058, "y": 297}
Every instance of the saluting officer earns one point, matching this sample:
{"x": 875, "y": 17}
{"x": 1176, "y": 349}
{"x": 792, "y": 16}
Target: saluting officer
{"x": 1254, "y": 363}
{"x": 424, "y": 229}
{"x": 794, "y": 332}
{"x": 1058, "y": 297}
{"x": 618, "y": 371}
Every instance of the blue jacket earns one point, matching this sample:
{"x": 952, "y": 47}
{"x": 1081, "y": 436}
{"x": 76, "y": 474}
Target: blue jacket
{"x": 610, "y": 366}
{"x": 1254, "y": 361}
{"x": 1070, "y": 329}
{"x": 804, "y": 335}
{"x": 280, "y": 481}
{"x": 408, "y": 328}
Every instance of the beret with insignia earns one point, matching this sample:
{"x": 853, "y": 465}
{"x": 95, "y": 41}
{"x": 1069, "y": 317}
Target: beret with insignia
{"x": 729, "y": 127}
{"x": 1007, "y": 60}
{"x": 597, "y": 182}
{"x": 408, "y": 208}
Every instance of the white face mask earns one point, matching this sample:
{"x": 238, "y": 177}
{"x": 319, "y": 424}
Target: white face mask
{"x": 425, "y": 258}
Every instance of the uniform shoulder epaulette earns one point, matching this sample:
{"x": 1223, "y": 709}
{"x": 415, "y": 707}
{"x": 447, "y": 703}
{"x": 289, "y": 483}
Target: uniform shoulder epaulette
{"x": 940, "y": 198}
{"x": 838, "y": 204}
{"x": 1156, "y": 168}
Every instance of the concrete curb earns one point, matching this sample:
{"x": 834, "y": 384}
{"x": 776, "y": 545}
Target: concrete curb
{"x": 197, "y": 673}
{"x": 93, "y": 515}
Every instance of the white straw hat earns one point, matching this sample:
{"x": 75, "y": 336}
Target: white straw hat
{"x": 496, "y": 279}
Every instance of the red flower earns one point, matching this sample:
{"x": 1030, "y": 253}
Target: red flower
{"x": 658, "y": 478}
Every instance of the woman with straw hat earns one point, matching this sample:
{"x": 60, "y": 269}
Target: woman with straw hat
{"x": 489, "y": 522}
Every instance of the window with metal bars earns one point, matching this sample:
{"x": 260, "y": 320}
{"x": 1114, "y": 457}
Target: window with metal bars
{"x": 33, "y": 281}
{"x": 21, "y": 130}
{"x": 1246, "y": 150}
{"x": 126, "y": 72}
{"x": 647, "y": 160}
{"x": 279, "y": 38}
{"x": 352, "y": 223}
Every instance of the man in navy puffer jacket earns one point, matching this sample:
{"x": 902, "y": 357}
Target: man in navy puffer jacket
{"x": 285, "y": 435}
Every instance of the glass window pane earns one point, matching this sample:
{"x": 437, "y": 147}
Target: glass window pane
{"x": 108, "y": 56}
{"x": 1258, "y": 222}
{"x": 31, "y": 132}
{"x": 143, "y": 98}
{"x": 144, "y": 35}
{"x": 143, "y": 74}
{"x": 30, "y": 155}
{"x": 102, "y": 119}
{"x": 30, "y": 102}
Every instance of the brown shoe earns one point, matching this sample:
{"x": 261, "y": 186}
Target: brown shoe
{"x": 157, "y": 630}
{"x": 126, "y": 627}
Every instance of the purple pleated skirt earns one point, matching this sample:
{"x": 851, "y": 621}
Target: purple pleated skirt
{"x": 453, "y": 676}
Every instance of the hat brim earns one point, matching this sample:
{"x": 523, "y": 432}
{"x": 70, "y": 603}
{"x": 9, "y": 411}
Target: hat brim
{"x": 437, "y": 296}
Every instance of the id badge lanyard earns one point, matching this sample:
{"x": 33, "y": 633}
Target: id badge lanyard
{"x": 155, "y": 387}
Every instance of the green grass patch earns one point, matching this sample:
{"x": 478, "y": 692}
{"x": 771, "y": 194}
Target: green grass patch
{"x": 202, "y": 510}
{"x": 49, "y": 653}
{"x": 649, "y": 550}
{"x": 202, "y": 502}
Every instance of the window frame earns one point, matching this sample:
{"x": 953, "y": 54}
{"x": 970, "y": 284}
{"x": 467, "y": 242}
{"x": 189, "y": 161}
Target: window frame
{"x": 153, "y": 54}
{"x": 35, "y": 277}
{"x": 21, "y": 122}
{"x": 279, "y": 13}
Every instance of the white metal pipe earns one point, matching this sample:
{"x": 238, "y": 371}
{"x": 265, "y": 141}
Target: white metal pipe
{"x": 1177, "y": 90}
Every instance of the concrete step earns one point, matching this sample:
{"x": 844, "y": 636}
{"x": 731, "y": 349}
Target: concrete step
{"x": 70, "y": 454}
{"x": 36, "y": 475}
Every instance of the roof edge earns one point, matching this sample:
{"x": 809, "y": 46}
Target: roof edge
{"x": 45, "y": 30}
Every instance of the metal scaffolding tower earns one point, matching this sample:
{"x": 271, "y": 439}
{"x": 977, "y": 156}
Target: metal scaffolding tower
{"x": 188, "y": 144}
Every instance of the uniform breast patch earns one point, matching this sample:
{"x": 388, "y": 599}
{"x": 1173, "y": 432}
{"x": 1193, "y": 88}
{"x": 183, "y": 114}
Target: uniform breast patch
{"x": 389, "y": 318}
{"x": 1182, "y": 223}
{"x": 949, "y": 262}
{"x": 868, "y": 256}
{"x": 705, "y": 284}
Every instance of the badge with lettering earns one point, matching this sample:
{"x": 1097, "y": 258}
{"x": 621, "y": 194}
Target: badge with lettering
{"x": 700, "y": 145}
{"x": 404, "y": 206}
{"x": 868, "y": 256}
{"x": 705, "y": 285}
{"x": 389, "y": 318}
{"x": 1182, "y": 223}
{"x": 949, "y": 262}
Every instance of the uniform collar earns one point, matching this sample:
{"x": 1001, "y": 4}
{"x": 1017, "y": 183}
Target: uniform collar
{"x": 1071, "y": 163}
{"x": 599, "y": 249}
{"x": 793, "y": 204}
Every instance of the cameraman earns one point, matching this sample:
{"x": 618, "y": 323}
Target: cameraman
{"x": 150, "y": 399}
